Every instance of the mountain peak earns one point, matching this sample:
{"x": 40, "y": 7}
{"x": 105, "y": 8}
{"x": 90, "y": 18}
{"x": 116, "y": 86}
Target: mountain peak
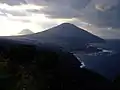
{"x": 66, "y": 25}
{"x": 26, "y": 31}
{"x": 67, "y": 29}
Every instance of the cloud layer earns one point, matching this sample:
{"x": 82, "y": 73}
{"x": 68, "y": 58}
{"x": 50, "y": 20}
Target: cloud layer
{"x": 99, "y": 13}
{"x": 102, "y": 13}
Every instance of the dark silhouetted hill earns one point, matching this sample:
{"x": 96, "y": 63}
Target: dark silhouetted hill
{"x": 48, "y": 66}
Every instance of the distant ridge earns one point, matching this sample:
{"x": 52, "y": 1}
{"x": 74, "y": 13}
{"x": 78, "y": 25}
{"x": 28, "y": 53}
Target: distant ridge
{"x": 25, "y": 32}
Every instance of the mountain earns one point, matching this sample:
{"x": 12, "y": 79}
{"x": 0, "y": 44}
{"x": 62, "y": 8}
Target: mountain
{"x": 67, "y": 30}
{"x": 26, "y": 31}
{"x": 66, "y": 35}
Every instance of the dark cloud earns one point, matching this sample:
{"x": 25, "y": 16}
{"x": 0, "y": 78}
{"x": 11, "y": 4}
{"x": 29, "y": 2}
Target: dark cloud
{"x": 102, "y": 13}
{"x": 60, "y": 8}
{"x": 79, "y": 4}
{"x": 63, "y": 12}
{"x": 64, "y": 8}
{"x": 103, "y": 16}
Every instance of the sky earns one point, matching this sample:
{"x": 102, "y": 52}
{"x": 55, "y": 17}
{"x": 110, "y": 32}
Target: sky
{"x": 100, "y": 17}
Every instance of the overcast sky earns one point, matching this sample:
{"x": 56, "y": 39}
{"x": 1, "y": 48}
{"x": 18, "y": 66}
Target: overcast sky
{"x": 101, "y": 17}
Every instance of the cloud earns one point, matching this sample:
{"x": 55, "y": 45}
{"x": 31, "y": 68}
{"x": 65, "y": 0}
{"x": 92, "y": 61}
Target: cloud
{"x": 19, "y": 10}
{"x": 103, "y": 16}
{"x": 102, "y": 7}
{"x": 79, "y": 4}
{"x": 13, "y": 2}
{"x": 52, "y": 8}
{"x": 13, "y": 13}
{"x": 101, "y": 13}
{"x": 64, "y": 8}
{"x": 64, "y": 12}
